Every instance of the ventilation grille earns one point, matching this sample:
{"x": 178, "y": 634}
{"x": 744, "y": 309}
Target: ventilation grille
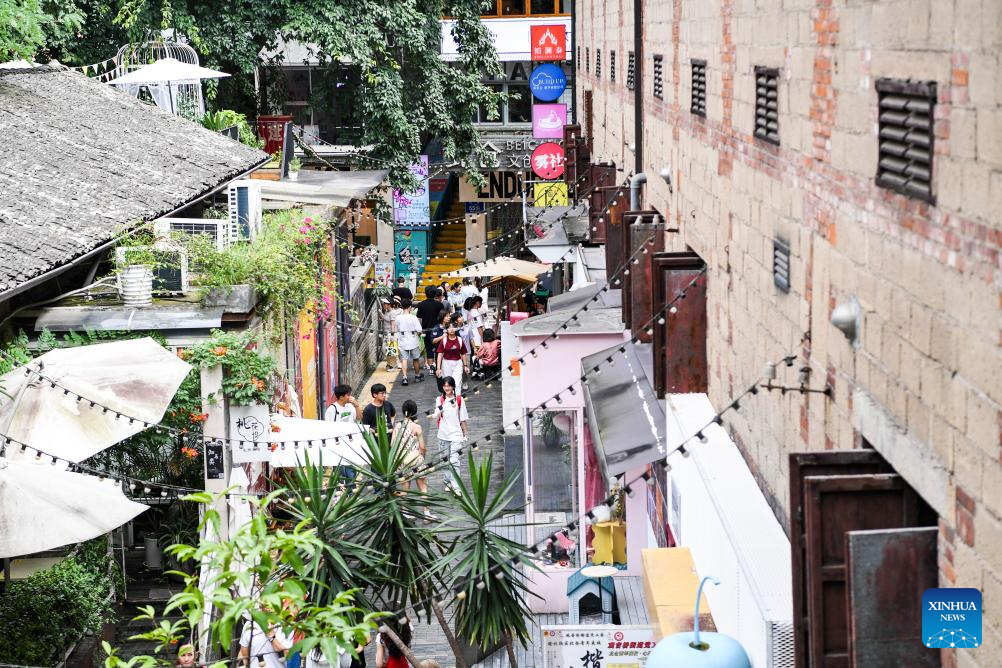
{"x": 612, "y": 66}
{"x": 781, "y": 265}
{"x": 767, "y": 104}
{"x": 587, "y": 59}
{"x": 906, "y": 137}
{"x": 631, "y": 71}
{"x": 659, "y": 88}
{"x": 598, "y": 63}
{"x": 698, "y": 88}
{"x": 781, "y": 649}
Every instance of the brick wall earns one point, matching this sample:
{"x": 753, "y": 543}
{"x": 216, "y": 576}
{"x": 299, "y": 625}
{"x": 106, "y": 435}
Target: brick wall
{"x": 924, "y": 385}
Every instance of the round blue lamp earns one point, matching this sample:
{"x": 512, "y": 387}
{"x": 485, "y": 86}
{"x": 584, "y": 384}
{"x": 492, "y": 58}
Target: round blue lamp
{"x": 699, "y": 650}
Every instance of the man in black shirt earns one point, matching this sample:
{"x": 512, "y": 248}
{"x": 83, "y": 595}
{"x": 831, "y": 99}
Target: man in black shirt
{"x": 402, "y": 290}
{"x": 427, "y": 313}
{"x": 379, "y": 406}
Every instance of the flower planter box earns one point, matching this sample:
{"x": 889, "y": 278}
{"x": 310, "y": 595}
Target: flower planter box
{"x": 233, "y": 298}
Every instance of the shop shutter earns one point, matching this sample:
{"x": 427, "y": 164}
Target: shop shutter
{"x": 906, "y": 110}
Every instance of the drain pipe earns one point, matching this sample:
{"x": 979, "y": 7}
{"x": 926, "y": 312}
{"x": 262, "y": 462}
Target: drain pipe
{"x": 636, "y": 181}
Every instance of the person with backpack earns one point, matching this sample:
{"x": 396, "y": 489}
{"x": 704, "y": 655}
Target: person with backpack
{"x": 453, "y": 353}
{"x": 452, "y": 417}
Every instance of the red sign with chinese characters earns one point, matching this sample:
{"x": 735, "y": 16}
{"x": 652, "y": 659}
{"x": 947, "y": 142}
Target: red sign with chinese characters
{"x": 548, "y": 42}
{"x": 548, "y": 161}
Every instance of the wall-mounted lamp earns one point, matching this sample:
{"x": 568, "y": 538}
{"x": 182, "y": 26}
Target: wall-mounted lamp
{"x": 632, "y": 147}
{"x": 848, "y": 319}
{"x": 665, "y": 174}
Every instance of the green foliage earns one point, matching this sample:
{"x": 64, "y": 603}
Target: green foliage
{"x": 46, "y": 612}
{"x": 268, "y": 565}
{"x": 247, "y": 371}
{"x": 227, "y": 118}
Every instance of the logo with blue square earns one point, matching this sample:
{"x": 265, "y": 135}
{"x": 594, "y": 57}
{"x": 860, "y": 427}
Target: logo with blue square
{"x": 951, "y": 618}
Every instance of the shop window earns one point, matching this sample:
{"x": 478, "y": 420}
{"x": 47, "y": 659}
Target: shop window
{"x": 659, "y": 86}
{"x": 767, "y": 104}
{"x": 698, "y": 106}
{"x": 906, "y": 137}
{"x": 512, "y": 7}
{"x": 519, "y": 110}
{"x": 552, "y": 479}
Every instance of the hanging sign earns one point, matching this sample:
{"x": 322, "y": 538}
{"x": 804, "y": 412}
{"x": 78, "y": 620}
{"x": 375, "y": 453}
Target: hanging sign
{"x": 411, "y": 249}
{"x": 597, "y": 646}
{"x": 550, "y": 194}
{"x": 548, "y": 120}
{"x": 413, "y": 209}
{"x": 548, "y": 161}
{"x": 548, "y": 42}
{"x": 250, "y": 431}
{"x": 548, "y": 82}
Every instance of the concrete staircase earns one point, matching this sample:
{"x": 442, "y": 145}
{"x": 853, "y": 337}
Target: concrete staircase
{"x": 451, "y": 239}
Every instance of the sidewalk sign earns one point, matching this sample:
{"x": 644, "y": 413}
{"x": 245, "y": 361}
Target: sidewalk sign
{"x": 596, "y": 646}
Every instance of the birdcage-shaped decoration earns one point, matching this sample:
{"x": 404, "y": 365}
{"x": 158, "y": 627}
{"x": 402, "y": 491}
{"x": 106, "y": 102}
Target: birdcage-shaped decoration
{"x": 185, "y": 97}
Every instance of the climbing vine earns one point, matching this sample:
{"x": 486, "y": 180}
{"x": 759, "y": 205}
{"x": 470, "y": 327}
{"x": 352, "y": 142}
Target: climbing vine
{"x": 248, "y": 373}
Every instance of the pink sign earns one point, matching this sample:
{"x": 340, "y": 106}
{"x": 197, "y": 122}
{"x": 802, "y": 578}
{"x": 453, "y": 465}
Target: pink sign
{"x": 548, "y": 161}
{"x": 548, "y": 121}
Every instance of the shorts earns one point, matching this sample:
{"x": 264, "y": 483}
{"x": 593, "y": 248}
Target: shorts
{"x": 413, "y": 354}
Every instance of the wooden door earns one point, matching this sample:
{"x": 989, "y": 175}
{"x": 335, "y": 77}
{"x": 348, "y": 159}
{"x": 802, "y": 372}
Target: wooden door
{"x": 803, "y": 465}
{"x": 680, "y": 363}
{"x": 834, "y": 506}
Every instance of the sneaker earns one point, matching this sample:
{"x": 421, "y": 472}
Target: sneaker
{"x": 405, "y": 382}
{"x": 419, "y": 378}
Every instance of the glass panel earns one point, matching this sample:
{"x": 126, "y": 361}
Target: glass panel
{"x": 298, "y": 84}
{"x": 553, "y": 441}
{"x": 560, "y": 7}
{"x": 520, "y": 110}
{"x": 538, "y": 7}
{"x": 512, "y": 7}
{"x": 490, "y": 10}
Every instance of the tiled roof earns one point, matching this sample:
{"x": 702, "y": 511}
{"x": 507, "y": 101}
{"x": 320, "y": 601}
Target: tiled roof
{"x": 81, "y": 161}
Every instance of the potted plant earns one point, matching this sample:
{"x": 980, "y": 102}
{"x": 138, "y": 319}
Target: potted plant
{"x": 548, "y": 429}
{"x": 294, "y": 166}
{"x": 181, "y": 529}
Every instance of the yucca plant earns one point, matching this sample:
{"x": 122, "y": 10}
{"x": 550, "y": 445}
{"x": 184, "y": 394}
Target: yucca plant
{"x": 492, "y": 608}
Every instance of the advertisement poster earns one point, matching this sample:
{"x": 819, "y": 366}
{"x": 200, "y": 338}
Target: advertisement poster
{"x": 548, "y": 121}
{"x": 414, "y": 209}
{"x": 548, "y": 42}
{"x": 548, "y": 82}
{"x": 596, "y": 646}
{"x": 383, "y": 273}
{"x": 411, "y": 250}
{"x": 550, "y": 194}
{"x": 548, "y": 161}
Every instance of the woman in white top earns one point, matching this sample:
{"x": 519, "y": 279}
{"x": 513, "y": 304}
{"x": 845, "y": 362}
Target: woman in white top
{"x": 452, "y": 416}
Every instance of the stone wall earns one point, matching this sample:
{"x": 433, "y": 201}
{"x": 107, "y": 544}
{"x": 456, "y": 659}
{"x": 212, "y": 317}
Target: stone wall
{"x": 924, "y": 385}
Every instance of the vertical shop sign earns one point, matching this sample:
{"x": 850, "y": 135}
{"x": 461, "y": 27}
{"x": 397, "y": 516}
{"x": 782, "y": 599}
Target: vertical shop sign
{"x": 413, "y": 209}
{"x": 548, "y": 42}
{"x": 548, "y": 161}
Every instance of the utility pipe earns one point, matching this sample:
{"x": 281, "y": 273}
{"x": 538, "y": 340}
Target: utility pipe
{"x": 636, "y": 181}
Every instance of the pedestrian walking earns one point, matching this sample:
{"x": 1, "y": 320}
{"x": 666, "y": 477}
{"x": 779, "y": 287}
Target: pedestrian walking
{"x": 452, "y": 416}
{"x": 468, "y": 290}
{"x": 388, "y": 655}
{"x": 388, "y": 342}
{"x": 379, "y": 407}
{"x": 456, "y": 297}
{"x": 271, "y": 646}
{"x": 409, "y": 342}
{"x": 345, "y": 407}
{"x": 412, "y": 440}
{"x": 475, "y": 318}
{"x": 428, "y": 312}
{"x": 402, "y": 291}
{"x": 186, "y": 656}
{"x": 453, "y": 354}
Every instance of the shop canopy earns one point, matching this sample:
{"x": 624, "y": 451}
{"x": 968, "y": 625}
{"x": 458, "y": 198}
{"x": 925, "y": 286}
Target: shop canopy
{"x": 499, "y": 266}
{"x": 626, "y": 419}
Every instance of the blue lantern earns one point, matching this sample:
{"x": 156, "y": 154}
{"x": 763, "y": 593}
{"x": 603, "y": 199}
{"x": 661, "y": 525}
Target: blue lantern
{"x": 699, "y": 650}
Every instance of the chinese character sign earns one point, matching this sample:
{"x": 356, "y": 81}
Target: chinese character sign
{"x": 548, "y": 161}
{"x": 548, "y": 42}
{"x": 411, "y": 249}
{"x": 413, "y": 209}
{"x": 597, "y": 646}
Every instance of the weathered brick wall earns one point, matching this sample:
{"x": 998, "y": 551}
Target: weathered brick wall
{"x": 924, "y": 386}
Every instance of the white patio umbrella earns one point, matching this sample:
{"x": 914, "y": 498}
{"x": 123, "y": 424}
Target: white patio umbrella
{"x": 168, "y": 71}
{"x": 499, "y": 266}
{"x": 43, "y": 507}
{"x": 136, "y": 378}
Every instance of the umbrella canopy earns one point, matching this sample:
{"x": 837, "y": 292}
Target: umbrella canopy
{"x": 167, "y": 70}
{"x": 42, "y": 507}
{"x": 517, "y": 278}
{"x": 136, "y": 378}
{"x": 499, "y": 266}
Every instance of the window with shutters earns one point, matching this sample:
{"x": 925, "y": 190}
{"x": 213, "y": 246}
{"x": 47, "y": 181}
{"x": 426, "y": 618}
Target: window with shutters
{"x": 612, "y": 66}
{"x": 767, "y": 104}
{"x": 631, "y": 71}
{"x": 698, "y": 106}
{"x": 659, "y": 86}
{"x": 587, "y": 59}
{"x": 781, "y": 265}
{"x": 598, "y": 63}
{"x": 906, "y": 136}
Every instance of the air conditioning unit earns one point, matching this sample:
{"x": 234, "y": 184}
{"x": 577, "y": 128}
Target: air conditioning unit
{"x": 170, "y": 266}
{"x": 245, "y": 210}
{"x": 218, "y": 230}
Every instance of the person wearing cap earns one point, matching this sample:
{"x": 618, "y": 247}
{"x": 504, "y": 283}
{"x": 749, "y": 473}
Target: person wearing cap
{"x": 186, "y": 656}
{"x": 389, "y": 328}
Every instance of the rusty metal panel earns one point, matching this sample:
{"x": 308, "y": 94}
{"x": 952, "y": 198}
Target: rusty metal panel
{"x": 639, "y": 227}
{"x": 833, "y": 506}
{"x": 680, "y": 361}
{"x": 577, "y": 156}
{"x": 803, "y": 465}
{"x": 602, "y": 191}
{"x": 888, "y": 570}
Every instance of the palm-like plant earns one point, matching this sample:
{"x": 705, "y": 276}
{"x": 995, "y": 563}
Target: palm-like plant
{"x": 492, "y": 606}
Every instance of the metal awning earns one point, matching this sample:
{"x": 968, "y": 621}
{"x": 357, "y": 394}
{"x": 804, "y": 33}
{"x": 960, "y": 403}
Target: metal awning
{"x": 123, "y": 318}
{"x": 592, "y": 321}
{"x": 626, "y": 419}
{"x": 550, "y": 235}
{"x": 575, "y": 299}
{"x": 335, "y": 189}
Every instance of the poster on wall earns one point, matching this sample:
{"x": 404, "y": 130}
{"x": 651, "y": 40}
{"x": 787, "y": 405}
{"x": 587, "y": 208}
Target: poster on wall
{"x": 550, "y": 194}
{"x": 548, "y": 42}
{"x": 548, "y": 82}
{"x": 411, "y": 250}
{"x": 413, "y": 209}
{"x": 383, "y": 273}
{"x": 548, "y": 161}
{"x": 548, "y": 120}
{"x": 597, "y": 646}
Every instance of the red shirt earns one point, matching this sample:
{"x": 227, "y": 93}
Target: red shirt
{"x": 451, "y": 349}
{"x": 489, "y": 353}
